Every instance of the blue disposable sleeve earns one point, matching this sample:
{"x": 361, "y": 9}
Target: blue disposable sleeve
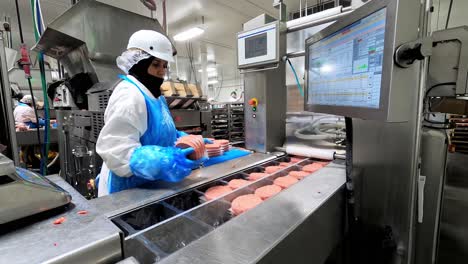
{"x": 181, "y": 134}
{"x": 161, "y": 163}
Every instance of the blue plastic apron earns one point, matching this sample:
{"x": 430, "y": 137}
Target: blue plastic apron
{"x": 161, "y": 131}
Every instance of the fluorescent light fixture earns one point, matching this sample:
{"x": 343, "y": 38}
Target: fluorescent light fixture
{"x": 189, "y": 34}
{"x": 210, "y": 57}
{"x": 212, "y": 82}
{"x": 326, "y": 68}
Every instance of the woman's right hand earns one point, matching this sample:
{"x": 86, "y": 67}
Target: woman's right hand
{"x": 161, "y": 163}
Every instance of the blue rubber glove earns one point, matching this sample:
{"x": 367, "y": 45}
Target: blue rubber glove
{"x": 207, "y": 141}
{"x": 161, "y": 163}
{"x": 199, "y": 163}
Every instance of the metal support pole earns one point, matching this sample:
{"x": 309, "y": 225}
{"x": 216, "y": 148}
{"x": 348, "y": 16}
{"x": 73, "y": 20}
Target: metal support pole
{"x": 278, "y": 4}
{"x": 6, "y": 98}
{"x": 204, "y": 73}
{"x": 316, "y": 22}
{"x": 295, "y": 54}
{"x": 300, "y": 8}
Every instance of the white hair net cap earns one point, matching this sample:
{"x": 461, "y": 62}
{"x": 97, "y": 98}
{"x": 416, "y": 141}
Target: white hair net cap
{"x": 131, "y": 57}
{"x": 27, "y": 99}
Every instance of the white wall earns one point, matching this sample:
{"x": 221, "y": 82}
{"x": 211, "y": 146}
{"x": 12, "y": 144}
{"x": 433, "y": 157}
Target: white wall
{"x": 221, "y": 92}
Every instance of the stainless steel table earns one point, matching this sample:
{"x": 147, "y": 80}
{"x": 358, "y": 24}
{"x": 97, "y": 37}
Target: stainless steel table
{"x": 30, "y": 137}
{"x": 89, "y": 238}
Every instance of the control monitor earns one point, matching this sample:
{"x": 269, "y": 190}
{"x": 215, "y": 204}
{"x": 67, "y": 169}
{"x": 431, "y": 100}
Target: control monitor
{"x": 350, "y": 69}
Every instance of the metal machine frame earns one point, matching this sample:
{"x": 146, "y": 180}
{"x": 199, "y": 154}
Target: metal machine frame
{"x": 385, "y": 142}
{"x": 265, "y": 81}
{"x": 8, "y": 121}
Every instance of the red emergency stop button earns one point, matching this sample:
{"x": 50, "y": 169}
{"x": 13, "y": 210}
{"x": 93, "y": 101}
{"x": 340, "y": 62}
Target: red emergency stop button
{"x": 253, "y": 102}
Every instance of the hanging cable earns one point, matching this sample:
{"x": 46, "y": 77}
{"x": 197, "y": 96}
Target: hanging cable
{"x": 38, "y": 30}
{"x": 25, "y": 63}
{"x": 323, "y": 128}
{"x": 297, "y": 78}
{"x": 19, "y": 22}
{"x": 220, "y": 86}
{"x": 449, "y": 13}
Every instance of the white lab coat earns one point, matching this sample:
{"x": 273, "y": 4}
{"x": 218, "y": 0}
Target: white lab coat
{"x": 24, "y": 113}
{"x": 125, "y": 121}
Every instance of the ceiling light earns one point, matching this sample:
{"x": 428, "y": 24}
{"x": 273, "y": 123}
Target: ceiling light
{"x": 189, "y": 34}
{"x": 212, "y": 82}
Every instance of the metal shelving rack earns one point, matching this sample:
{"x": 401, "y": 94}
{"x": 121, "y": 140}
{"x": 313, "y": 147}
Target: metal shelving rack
{"x": 220, "y": 121}
{"x": 459, "y": 135}
{"x": 236, "y": 124}
{"x": 227, "y": 122}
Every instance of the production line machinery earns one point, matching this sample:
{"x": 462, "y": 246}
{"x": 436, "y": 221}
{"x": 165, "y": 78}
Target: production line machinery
{"x": 149, "y": 230}
{"x": 173, "y": 223}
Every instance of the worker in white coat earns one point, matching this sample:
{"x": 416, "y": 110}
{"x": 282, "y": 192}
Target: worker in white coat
{"x": 138, "y": 137}
{"x": 24, "y": 113}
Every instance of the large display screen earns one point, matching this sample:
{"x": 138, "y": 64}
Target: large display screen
{"x": 256, "y": 46}
{"x": 345, "y": 68}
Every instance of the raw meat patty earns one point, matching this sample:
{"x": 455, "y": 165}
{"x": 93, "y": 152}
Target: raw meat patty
{"x": 183, "y": 145}
{"x": 222, "y": 142}
{"x": 312, "y": 167}
{"x": 216, "y": 191}
{"x": 196, "y": 142}
{"x": 296, "y": 159}
{"x": 244, "y": 203}
{"x": 273, "y": 169}
{"x": 214, "y": 146}
{"x": 285, "y": 182}
{"x": 257, "y": 175}
{"x": 267, "y": 191}
{"x": 285, "y": 164}
{"x": 299, "y": 174}
{"x": 237, "y": 183}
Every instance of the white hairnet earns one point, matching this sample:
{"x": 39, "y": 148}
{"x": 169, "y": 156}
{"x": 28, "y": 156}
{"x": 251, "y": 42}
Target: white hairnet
{"x": 131, "y": 57}
{"x": 27, "y": 99}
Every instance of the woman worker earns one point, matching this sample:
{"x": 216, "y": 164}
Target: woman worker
{"x": 24, "y": 113}
{"x": 137, "y": 140}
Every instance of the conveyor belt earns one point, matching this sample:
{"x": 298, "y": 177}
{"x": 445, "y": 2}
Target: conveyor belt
{"x": 161, "y": 228}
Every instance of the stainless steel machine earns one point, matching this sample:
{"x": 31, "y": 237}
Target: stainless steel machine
{"x": 261, "y": 47}
{"x": 24, "y": 193}
{"x": 366, "y": 67}
{"x": 189, "y": 108}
